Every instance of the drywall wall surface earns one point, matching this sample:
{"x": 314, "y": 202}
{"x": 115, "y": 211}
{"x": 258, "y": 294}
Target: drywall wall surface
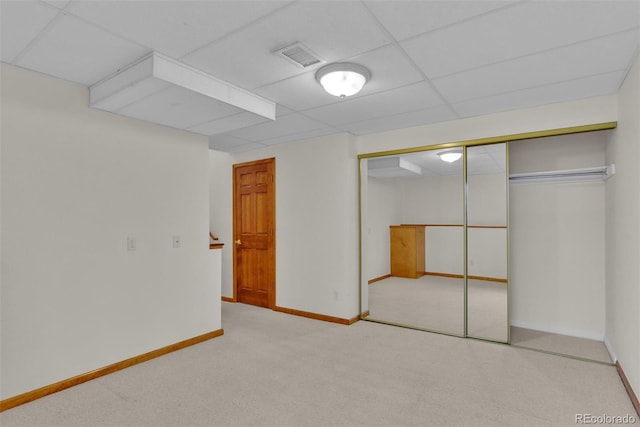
{"x": 78, "y": 187}
{"x": 553, "y": 116}
{"x": 557, "y": 238}
{"x": 220, "y": 211}
{"x": 317, "y": 261}
{"x": 623, "y": 232}
{"x": 383, "y": 209}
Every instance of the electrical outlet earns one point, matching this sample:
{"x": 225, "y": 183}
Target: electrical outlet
{"x": 176, "y": 242}
{"x": 131, "y": 243}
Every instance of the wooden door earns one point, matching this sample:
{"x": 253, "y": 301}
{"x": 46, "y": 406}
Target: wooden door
{"x": 254, "y": 232}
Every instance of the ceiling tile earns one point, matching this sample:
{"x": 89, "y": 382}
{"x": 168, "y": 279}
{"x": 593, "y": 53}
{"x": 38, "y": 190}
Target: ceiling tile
{"x": 388, "y": 66}
{"x": 20, "y": 22}
{"x": 245, "y": 58}
{"x": 404, "y": 120}
{"x": 232, "y": 145}
{"x": 486, "y": 159}
{"x": 301, "y": 136}
{"x": 417, "y": 96}
{"x": 226, "y": 124}
{"x": 519, "y": 30}
{"x": 603, "y": 84}
{"x": 178, "y": 107}
{"x": 76, "y": 51}
{"x": 287, "y": 125}
{"x": 174, "y": 28}
{"x": 60, "y": 4}
{"x": 405, "y": 18}
{"x": 483, "y": 56}
{"x": 576, "y": 61}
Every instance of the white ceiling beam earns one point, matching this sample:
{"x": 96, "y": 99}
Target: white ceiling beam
{"x": 154, "y": 72}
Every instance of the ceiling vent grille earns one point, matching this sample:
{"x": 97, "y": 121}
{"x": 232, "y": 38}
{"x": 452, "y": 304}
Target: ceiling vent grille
{"x": 300, "y": 55}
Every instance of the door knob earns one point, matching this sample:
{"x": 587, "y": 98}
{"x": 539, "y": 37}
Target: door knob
{"x": 238, "y": 242}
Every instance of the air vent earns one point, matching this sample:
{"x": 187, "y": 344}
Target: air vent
{"x": 300, "y": 55}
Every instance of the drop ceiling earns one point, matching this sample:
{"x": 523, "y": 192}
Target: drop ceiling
{"x": 430, "y": 61}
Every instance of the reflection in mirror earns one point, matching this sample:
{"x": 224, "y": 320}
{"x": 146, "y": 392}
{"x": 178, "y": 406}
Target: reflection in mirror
{"x": 487, "y": 296}
{"x": 413, "y": 245}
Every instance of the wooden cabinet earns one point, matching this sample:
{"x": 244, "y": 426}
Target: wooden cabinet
{"x": 407, "y": 250}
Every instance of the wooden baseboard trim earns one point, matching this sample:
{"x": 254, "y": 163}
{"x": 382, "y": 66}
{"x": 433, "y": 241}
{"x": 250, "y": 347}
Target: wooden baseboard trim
{"x": 488, "y": 279}
{"x": 228, "y": 299}
{"x": 453, "y": 276}
{"x": 317, "y": 316}
{"x": 627, "y": 386}
{"x": 377, "y": 279}
{"x": 355, "y": 319}
{"x": 32, "y": 395}
{"x": 460, "y": 276}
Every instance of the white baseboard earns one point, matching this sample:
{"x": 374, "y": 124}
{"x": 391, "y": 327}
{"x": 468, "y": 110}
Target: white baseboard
{"x": 592, "y": 335}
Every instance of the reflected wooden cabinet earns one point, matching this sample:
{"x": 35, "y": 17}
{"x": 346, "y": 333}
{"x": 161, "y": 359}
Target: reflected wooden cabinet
{"x": 407, "y": 250}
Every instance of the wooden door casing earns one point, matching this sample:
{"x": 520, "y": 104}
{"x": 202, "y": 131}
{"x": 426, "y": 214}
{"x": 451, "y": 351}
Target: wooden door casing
{"x": 254, "y": 232}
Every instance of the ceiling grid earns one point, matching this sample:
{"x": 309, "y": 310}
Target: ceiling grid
{"x": 430, "y": 61}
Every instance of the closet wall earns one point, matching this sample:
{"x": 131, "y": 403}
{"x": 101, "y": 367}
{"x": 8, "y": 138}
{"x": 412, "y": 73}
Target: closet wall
{"x": 557, "y": 248}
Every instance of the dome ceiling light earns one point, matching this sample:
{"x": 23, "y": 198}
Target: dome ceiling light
{"x": 343, "y": 79}
{"x": 450, "y": 156}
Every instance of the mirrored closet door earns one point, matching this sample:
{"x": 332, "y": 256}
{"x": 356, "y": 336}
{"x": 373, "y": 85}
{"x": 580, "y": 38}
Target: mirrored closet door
{"x": 422, "y": 265}
{"x": 487, "y": 296}
{"x": 414, "y": 239}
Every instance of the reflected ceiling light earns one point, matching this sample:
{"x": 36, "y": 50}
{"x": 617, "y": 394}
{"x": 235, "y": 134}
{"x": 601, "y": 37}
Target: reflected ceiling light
{"x": 343, "y": 79}
{"x": 450, "y": 156}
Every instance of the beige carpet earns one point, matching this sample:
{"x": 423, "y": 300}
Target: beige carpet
{"x": 563, "y": 344}
{"x": 429, "y": 302}
{"x": 274, "y": 369}
{"x": 437, "y": 303}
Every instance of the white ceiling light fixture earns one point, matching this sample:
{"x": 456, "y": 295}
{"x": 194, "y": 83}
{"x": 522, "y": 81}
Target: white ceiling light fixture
{"x": 343, "y": 79}
{"x": 450, "y": 156}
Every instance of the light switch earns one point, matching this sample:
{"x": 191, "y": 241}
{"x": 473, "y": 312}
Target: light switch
{"x": 131, "y": 243}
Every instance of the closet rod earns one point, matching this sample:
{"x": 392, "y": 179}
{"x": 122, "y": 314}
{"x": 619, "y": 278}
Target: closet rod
{"x": 602, "y": 172}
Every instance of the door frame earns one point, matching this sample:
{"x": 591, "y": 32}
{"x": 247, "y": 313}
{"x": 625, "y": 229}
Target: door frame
{"x": 272, "y": 286}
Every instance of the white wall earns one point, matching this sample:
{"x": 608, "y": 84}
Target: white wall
{"x": 557, "y": 249}
{"x": 439, "y": 200}
{"x": 75, "y": 183}
{"x": 384, "y": 208}
{"x": 432, "y": 200}
{"x": 623, "y": 232}
{"x": 316, "y": 223}
{"x": 554, "y": 116}
{"x": 220, "y": 212}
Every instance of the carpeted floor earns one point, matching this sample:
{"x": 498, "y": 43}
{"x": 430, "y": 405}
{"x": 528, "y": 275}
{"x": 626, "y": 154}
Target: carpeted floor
{"x": 437, "y": 303}
{"x": 563, "y": 344}
{"x": 274, "y": 369}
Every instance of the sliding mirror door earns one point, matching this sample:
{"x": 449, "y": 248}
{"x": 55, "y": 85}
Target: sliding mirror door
{"x": 487, "y": 242}
{"x": 413, "y": 240}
